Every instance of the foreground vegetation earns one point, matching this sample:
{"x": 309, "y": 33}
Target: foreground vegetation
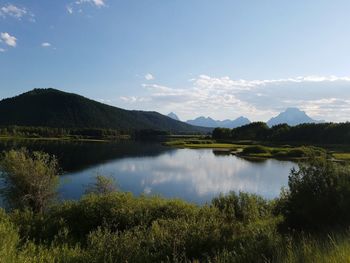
{"x": 307, "y": 223}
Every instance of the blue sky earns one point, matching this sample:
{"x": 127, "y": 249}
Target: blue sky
{"x": 222, "y": 58}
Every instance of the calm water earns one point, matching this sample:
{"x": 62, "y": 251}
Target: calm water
{"x": 149, "y": 168}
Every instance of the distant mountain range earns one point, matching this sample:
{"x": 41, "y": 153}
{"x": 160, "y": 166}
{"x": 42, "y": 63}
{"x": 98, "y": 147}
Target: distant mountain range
{"x": 211, "y": 123}
{"x": 292, "y": 116}
{"x": 54, "y": 108}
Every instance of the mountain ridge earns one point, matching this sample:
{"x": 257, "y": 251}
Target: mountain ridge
{"x": 173, "y": 116}
{"x": 209, "y": 122}
{"x": 54, "y": 108}
{"x": 291, "y": 116}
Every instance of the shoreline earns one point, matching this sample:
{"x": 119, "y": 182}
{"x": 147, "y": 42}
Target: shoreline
{"x": 266, "y": 151}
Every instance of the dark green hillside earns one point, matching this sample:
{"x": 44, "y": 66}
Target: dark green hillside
{"x": 54, "y": 108}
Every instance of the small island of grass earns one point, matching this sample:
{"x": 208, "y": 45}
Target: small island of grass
{"x": 250, "y": 149}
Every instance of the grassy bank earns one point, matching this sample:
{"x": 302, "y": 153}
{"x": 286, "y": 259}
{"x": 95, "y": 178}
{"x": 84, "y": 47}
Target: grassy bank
{"x": 251, "y": 149}
{"x": 201, "y": 144}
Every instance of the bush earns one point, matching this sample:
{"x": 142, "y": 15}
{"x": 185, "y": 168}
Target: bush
{"x": 118, "y": 211}
{"x": 173, "y": 240}
{"x": 256, "y": 149}
{"x": 13, "y": 249}
{"x": 102, "y": 185}
{"x": 318, "y": 197}
{"x": 119, "y": 227}
{"x": 244, "y": 207}
{"x": 30, "y": 180}
{"x": 9, "y": 239}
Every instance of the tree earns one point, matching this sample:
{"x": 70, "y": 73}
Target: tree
{"x": 102, "y": 185}
{"x": 30, "y": 180}
{"x": 221, "y": 133}
{"x": 318, "y": 197}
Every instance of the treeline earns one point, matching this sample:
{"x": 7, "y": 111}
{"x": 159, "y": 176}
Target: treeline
{"x": 83, "y": 133}
{"x": 331, "y": 133}
{"x": 48, "y": 132}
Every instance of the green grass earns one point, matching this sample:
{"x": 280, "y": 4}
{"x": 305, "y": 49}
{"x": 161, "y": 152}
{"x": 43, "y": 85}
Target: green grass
{"x": 248, "y": 149}
{"x": 203, "y": 144}
{"x": 289, "y": 152}
{"x": 331, "y": 249}
{"x": 342, "y": 156}
{"x": 122, "y": 228}
{"x": 213, "y": 146}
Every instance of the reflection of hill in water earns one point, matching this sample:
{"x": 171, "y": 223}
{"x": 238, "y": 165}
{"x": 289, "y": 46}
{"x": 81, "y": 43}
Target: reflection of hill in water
{"x": 74, "y": 156}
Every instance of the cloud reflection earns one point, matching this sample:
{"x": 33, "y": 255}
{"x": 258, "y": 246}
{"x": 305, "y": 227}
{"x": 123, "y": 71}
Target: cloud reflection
{"x": 199, "y": 174}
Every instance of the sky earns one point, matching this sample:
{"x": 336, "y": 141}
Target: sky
{"x": 223, "y": 58}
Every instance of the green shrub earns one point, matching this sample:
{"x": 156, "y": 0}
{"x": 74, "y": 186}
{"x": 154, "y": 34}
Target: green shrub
{"x": 172, "y": 240}
{"x": 244, "y": 207}
{"x": 318, "y": 198}
{"x": 256, "y": 149}
{"x": 102, "y": 185}
{"x": 117, "y": 211}
{"x": 30, "y": 180}
{"x": 9, "y": 239}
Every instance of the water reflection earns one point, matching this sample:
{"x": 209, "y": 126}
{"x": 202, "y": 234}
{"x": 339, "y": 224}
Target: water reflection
{"x": 76, "y": 156}
{"x": 149, "y": 168}
{"x": 193, "y": 175}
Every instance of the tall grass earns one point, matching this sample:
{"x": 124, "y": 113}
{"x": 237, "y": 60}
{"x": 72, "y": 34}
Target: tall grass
{"x": 236, "y": 228}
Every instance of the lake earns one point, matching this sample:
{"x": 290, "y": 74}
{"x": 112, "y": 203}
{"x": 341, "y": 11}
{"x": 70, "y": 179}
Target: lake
{"x": 152, "y": 169}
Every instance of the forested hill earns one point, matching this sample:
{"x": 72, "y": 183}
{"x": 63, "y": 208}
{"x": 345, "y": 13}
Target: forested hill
{"x": 54, "y": 108}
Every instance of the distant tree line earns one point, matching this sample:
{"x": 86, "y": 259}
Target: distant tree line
{"x": 333, "y": 133}
{"x": 90, "y": 133}
{"x": 49, "y": 132}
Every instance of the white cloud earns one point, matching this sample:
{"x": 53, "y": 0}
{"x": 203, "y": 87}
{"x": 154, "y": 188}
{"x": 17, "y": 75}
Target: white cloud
{"x": 74, "y": 6}
{"x": 13, "y": 11}
{"x": 8, "y": 39}
{"x": 149, "y": 76}
{"x": 2, "y": 50}
{"x": 331, "y": 109}
{"x": 46, "y": 44}
{"x": 98, "y": 3}
{"x": 322, "y": 97}
{"x": 69, "y": 9}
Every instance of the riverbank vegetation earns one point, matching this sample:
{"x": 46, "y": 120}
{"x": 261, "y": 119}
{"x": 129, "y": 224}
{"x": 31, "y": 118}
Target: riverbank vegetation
{"x": 60, "y": 133}
{"x": 308, "y": 133}
{"x": 84, "y": 134}
{"x": 307, "y": 223}
{"x": 249, "y": 149}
